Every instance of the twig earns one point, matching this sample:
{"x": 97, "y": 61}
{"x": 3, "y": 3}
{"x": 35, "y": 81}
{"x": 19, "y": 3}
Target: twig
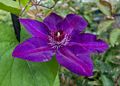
{"x": 25, "y": 7}
{"x": 116, "y": 81}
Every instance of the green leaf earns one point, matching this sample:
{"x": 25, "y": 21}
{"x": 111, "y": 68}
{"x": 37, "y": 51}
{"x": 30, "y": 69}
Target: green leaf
{"x": 94, "y": 83}
{"x": 57, "y": 82}
{"x": 112, "y": 56}
{"x": 102, "y": 67}
{"x": 10, "y": 6}
{"x": 105, "y": 7}
{"x": 114, "y": 37}
{"x": 106, "y": 81}
{"x": 104, "y": 26}
{"x": 24, "y": 2}
{"x": 17, "y": 72}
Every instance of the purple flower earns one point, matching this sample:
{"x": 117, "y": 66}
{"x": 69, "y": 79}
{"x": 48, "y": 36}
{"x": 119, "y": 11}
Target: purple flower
{"x": 61, "y": 37}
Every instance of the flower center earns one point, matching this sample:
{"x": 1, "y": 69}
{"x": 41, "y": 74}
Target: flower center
{"x": 58, "y": 39}
{"x": 58, "y": 36}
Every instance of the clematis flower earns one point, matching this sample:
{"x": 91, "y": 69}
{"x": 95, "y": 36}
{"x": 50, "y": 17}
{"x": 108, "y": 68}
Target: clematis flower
{"x": 61, "y": 37}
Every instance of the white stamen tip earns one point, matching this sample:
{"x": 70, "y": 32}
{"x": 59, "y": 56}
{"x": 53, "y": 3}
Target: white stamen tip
{"x": 58, "y": 34}
{"x": 44, "y": 60}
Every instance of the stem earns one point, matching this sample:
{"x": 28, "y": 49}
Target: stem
{"x": 25, "y": 7}
{"x": 116, "y": 81}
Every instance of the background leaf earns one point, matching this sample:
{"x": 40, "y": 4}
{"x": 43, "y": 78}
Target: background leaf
{"x": 10, "y": 6}
{"x": 17, "y": 72}
{"x": 114, "y": 36}
{"x": 104, "y": 26}
{"x": 106, "y": 81}
{"x": 24, "y": 2}
{"x": 105, "y": 7}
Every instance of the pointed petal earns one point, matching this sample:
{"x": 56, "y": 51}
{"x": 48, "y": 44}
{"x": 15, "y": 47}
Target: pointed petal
{"x": 80, "y": 64}
{"x": 72, "y": 22}
{"x": 89, "y": 42}
{"x": 33, "y": 49}
{"x": 83, "y": 37}
{"x": 77, "y": 48}
{"x": 35, "y": 28}
{"x": 52, "y": 20}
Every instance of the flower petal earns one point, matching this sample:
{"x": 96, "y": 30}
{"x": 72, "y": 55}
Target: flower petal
{"x": 72, "y": 22}
{"x": 89, "y": 42}
{"x": 77, "y": 49}
{"x": 34, "y": 49}
{"x": 80, "y": 64}
{"x": 35, "y": 28}
{"x": 83, "y": 37}
{"x": 52, "y": 20}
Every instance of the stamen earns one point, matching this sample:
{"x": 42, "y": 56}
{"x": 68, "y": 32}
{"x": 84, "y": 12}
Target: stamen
{"x": 58, "y": 34}
{"x": 57, "y": 44}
